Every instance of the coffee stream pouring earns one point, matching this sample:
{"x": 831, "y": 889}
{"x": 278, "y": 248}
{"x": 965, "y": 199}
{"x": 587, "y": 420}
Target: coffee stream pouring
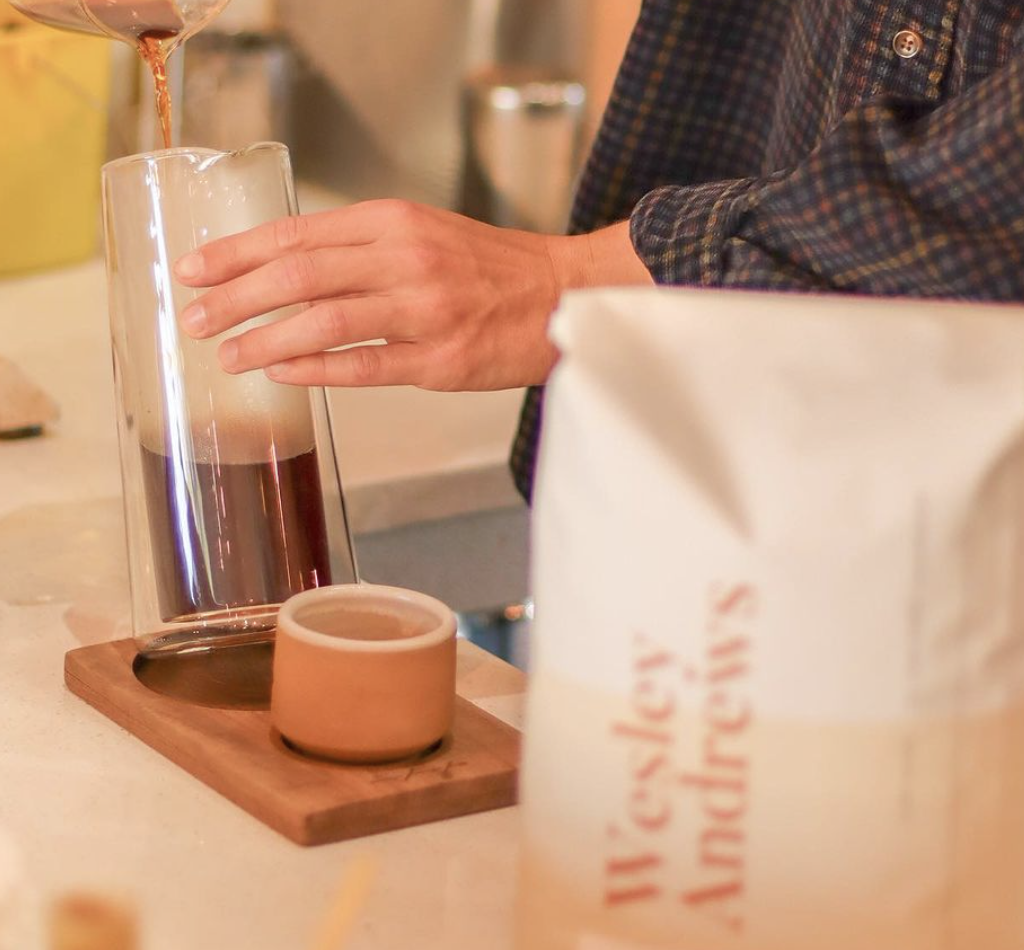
{"x": 156, "y": 28}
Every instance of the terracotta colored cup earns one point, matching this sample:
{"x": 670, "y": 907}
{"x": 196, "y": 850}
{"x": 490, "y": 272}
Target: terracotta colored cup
{"x": 364, "y": 673}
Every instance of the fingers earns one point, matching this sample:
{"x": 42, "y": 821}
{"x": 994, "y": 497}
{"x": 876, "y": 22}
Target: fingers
{"x": 393, "y": 364}
{"x": 304, "y": 276}
{"x": 327, "y": 325}
{"x": 238, "y": 254}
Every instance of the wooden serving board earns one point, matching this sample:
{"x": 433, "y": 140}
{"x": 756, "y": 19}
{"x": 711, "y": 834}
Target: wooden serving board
{"x": 238, "y": 753}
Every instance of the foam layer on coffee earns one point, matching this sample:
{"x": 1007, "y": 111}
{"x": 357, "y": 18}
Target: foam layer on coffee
{"x": 369, "y": 619}
{"x": 234, "y": 439}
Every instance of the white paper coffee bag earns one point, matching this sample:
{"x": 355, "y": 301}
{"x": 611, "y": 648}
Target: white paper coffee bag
{"x": 777, "y": 685}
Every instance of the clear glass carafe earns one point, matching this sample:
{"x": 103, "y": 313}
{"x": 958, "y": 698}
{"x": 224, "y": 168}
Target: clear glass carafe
{"x": 232, "y": 496}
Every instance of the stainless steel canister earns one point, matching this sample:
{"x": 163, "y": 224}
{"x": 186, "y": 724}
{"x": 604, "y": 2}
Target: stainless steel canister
{"x": 524, "y": 134}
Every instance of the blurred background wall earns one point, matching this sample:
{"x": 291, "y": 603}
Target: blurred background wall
{"x": 372, "y": 94}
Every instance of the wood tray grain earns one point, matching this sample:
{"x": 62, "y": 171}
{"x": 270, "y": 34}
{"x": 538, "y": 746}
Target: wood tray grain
{"x": 311, "y": 801}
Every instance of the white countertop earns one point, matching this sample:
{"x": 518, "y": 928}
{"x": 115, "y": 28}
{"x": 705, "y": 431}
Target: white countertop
{"x": 90, "y": 806}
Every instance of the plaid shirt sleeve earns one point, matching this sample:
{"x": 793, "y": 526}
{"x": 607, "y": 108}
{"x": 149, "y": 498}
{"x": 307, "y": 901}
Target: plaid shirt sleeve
{"x": 901, "y": 197}
{"x": 791, "y": 144}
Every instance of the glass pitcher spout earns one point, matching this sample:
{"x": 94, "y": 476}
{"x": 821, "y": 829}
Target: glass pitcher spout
{"x": 232, "y": 497}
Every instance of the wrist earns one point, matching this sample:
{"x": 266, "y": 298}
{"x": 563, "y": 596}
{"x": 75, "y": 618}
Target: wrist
{"x": 604, "y": 258}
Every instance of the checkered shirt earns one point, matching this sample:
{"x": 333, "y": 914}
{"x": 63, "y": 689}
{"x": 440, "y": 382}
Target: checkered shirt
{"x": 786, "y": 144}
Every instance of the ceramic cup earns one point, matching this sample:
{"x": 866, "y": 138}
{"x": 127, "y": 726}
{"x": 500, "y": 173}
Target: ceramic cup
{"x": 363, "y": 673}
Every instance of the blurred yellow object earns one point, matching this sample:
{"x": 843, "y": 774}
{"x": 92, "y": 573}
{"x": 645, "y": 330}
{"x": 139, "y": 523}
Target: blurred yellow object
{"x": 9, "y": 15}
{"x": 54, "y": 89}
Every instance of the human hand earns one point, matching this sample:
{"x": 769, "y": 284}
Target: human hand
{"x": 461, "y": 305}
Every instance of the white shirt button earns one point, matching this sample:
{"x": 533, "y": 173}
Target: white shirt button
{"x": 907, "y": 44}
